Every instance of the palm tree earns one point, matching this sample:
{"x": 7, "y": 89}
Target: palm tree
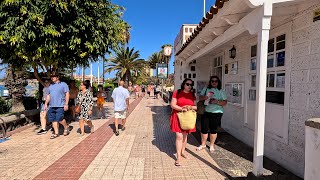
{"x": 125, "y": 62}
{"x": 155, "y": 58}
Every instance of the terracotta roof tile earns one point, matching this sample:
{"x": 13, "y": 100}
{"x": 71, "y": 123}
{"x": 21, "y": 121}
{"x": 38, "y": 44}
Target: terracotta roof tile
{"x": 205, "y": 20}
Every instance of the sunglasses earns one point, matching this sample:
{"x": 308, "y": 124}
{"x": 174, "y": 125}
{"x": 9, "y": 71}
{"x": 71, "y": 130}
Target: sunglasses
{"x": 188, "y": 84}
{"x": 214, "y": 81}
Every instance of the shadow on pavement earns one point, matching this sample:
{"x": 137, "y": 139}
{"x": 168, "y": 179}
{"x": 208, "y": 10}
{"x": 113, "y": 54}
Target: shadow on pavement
{"x": 236, "y": 158}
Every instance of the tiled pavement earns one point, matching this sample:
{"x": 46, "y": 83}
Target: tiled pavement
{"x": 144, "y": 151}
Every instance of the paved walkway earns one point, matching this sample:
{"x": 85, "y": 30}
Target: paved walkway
{"x": 145, "y": 150}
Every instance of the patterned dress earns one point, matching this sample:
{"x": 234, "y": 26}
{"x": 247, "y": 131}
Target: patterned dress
{"x": 86, "y": 103}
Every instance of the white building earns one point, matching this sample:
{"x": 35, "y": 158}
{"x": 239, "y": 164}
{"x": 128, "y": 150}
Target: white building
{"x": 185, "y": 32}
{"x": 276, "y": 70}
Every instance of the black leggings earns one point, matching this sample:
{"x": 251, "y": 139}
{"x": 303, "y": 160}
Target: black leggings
{"x": 210, "y": 121}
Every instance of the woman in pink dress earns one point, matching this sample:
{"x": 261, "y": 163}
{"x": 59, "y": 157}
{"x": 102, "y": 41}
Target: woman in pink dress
{"x": 182, "y": 100}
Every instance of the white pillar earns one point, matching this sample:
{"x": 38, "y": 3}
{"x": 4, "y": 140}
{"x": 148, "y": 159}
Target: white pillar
{"x": 263, "y": 38}
{"x": 82, "y": 73}
{"x": 98, "y": 71}
{"x": 204, "y": 8}
{"x": 91, "y": 76}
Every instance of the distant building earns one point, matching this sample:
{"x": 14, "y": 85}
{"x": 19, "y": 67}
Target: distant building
{"x": 88, "y": 77}
{"x": 186, "y": 31}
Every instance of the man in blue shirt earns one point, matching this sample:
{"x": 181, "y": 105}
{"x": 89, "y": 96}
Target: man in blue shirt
{"x": 120, "y": 97}
{"x": 58, "y": 99}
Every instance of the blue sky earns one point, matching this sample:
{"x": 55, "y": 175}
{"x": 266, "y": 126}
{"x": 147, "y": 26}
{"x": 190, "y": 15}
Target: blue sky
{"x": 156, "y": 22}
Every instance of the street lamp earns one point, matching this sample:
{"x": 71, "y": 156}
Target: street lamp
{"x": 167, "y": 51}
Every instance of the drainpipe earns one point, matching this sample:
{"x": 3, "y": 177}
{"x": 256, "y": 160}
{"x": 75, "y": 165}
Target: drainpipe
{"x": 263, "y": 38}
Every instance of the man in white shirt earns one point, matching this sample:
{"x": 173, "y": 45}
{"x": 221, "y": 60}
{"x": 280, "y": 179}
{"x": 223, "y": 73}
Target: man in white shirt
{"x": 120, "y": 97}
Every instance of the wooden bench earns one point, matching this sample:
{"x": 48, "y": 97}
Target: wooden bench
{"x": 13, "y": 117}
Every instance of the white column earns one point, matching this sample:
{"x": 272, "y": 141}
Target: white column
{"x": 98, "y": 71}
{"x": 91, "y": 76}
{"x": 82, "y": 73}
{"x": 263, "y": 37}
{"x": 204, "y": 8}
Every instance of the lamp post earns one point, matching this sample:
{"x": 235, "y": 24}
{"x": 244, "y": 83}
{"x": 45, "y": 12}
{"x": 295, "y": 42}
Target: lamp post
{"x": 167, "y": 51}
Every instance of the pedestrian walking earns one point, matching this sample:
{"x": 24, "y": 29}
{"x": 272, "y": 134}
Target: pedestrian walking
{"x": 101, "y": 95}
{"x": 120, "y": 97}
{"x": 215, "y": 98}
{"x": 149, "y": 89}
{"x": 182, "y": 100}
{"x": 73, "y": 95}
{"x": 57, "y": 99}
{"x": 84, "y": 100}
{"x": 43, "y": 113}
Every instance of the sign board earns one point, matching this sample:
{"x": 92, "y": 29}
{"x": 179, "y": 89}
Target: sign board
{"x": 316, "y": 15}
{"x": 162, "y": 70}
{"x": 200, "y": 86}
{"x": 235, "y": 93}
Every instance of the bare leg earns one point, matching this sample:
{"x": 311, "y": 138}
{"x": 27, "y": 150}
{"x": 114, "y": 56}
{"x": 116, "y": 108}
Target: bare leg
{"x": 81, "y": 124}
{"x": 116, "y": 123}
{"x": 43, "y": 119}
{"x": 213, "y": 138}
{"x": 124, "y": 122}
{"x": 204, "y": 138}
{"x": 179, "y": 139}
{"x": 64, "y": 124}
{"x": 184, "y": 144}
{"x": 55, "y": 127}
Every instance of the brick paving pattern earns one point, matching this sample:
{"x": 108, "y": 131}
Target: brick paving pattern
{"x": 145, "y": 150}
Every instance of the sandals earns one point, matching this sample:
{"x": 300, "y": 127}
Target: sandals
{"x": 199, "y": 148}
{"x": 177, "y": 163}
{"x": 53, "y": 136}
{"x": 211, "y": 150}
{"x": 66, "y": 131}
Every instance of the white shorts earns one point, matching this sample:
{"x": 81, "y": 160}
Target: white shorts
{"x": 120, "y": 114}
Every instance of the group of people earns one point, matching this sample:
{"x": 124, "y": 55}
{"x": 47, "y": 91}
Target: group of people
{"x": 155, "y": 89}
{"x": 136, "y": 90}
{"x": 184, "y": 99}
{"x": 60, "y": 100}
{"x": 59, "y": 105}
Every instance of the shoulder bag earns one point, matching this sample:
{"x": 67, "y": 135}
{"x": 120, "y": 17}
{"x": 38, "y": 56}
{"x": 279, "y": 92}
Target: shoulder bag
{"x": 187, "y": 119}
{"x": 201, "y": 106}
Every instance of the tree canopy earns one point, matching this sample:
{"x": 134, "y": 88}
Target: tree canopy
{"x": 54, "y": 34}
{"x": 126, "y": 61}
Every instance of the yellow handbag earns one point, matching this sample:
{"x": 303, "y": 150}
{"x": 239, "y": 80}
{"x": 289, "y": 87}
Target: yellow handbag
{"x": 187, "y": 119}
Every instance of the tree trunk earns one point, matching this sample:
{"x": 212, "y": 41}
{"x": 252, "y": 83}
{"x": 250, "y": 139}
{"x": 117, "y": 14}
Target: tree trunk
{"x": 15, "y": 82}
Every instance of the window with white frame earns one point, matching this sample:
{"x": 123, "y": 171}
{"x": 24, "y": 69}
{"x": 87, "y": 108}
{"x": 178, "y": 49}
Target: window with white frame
{"x": 217, "y": 67}
{"x": 275, "y": 70}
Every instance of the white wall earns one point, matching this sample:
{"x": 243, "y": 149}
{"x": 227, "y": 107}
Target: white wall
{"x": 312, "y": 158}
{"x": 285, "y": 134}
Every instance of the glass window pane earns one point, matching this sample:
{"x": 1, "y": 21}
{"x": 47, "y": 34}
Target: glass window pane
{"x": 271, "y": 80}
{"x": 281, "y": 37}
{"x": 189, "y": 75}
{"x": 194, "y": 76}
{"x": 271, "y": 45}
{"x": 281, "y": 79}
{"x": 190, "y": 29}
{"x": 254, "y": 51}
{"x": 281, "y": 45}
{"x": 185, "y": 76}
{"x": 185, "y": 29}
{"x": 281, "y": 58}
{"x": 281, "y": 42}
{"x": 253, "y": 80}
{"x": 275, "y": 97}
{"x": 252, "y": 94}
{"x": 270, "y": 61}
{"x": 253, "y": 63}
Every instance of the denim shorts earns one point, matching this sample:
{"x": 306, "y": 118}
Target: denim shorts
{"x": 55, "y": 114}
